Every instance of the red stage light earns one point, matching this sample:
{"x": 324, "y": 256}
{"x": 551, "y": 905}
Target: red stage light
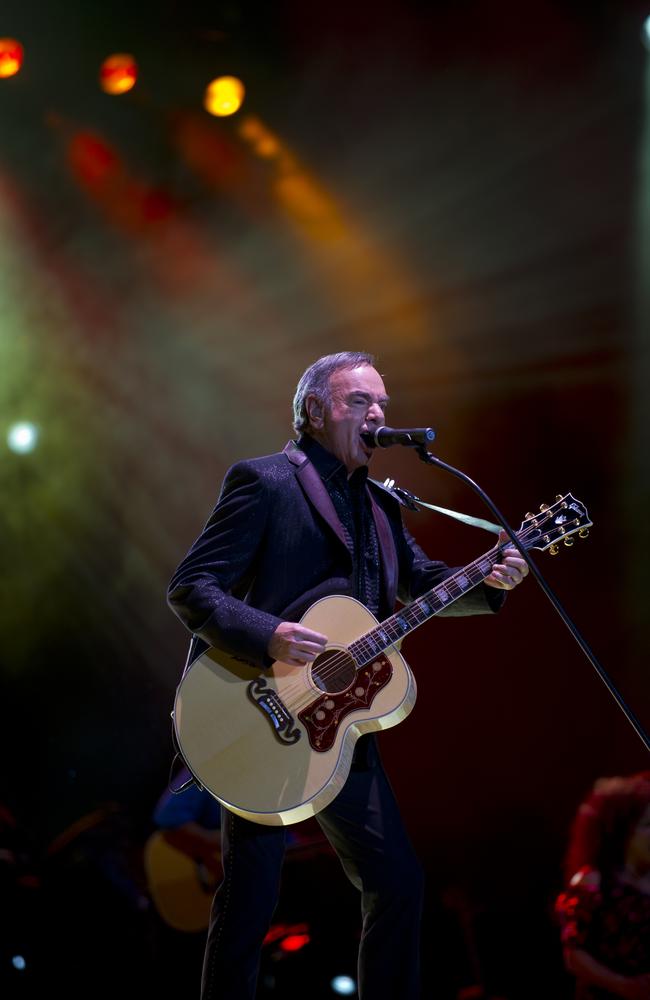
{"x": 294, "y": 942}
{"x": 93, "y": 160}
{"x": 118, "y": 73}
{"x": 278, "y": 931}
{"x": 11, "y": 56}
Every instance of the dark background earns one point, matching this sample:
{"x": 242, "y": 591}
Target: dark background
{"x": 461, "y": 188}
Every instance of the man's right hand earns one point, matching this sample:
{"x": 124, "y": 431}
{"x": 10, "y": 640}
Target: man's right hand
{"x": 296, "y": 645}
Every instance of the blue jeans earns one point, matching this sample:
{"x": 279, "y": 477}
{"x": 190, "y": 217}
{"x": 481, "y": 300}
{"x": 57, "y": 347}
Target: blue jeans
{"x": 364, "y": 826}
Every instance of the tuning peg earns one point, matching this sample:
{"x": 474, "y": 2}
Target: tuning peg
{"x": 558, "y": 497}
{"x": 583, "y": 533}
{"x": 568, "y": 542}
{"x": 529, "y": 515}
{"x": 543, "y": 506}
{"x": 554, "y": 550}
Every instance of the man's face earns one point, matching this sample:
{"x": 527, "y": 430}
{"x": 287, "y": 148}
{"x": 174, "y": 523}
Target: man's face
{"x": 358, "y": 402}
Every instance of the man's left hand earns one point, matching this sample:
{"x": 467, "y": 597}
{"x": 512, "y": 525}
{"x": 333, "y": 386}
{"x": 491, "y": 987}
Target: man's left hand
{"x": 508, "y": 574}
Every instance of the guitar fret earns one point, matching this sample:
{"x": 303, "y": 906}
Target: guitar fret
{"x": 321, "y": 713}
{"x": 395, "y": 628}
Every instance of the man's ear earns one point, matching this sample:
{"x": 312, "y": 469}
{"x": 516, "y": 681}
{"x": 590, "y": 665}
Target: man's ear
{"x": 315, "y": 412}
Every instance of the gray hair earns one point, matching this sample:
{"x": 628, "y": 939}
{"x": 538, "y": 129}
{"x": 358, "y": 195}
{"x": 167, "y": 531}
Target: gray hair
{"x": 315, "y": 381}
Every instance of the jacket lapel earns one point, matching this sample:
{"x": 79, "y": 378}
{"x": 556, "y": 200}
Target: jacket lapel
{"x": 314, "y": 489}
{"x": 387, "y": 549}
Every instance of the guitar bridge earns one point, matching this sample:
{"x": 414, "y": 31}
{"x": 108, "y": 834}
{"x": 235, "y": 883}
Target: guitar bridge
{"x": 270, "y": 702}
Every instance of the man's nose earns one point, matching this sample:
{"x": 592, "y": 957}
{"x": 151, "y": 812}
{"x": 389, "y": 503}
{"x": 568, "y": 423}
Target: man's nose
{"x": 375, "y": 414}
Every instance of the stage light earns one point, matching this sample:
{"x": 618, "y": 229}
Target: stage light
{"x": 22, "y": 437}
{"x": 294, "y": 942}
{"x": 645, "y": 33}
{"x": 93, "y": 161}
{"x": 118, "y": 73}
{"x": 345, "y": 986}
{"x": 278, "y": 931}
{"x": 224, "y": 96}
{"x": 262, "y": 141}
{"x": 19, "y": 962}
{"x": 11, "y": 56}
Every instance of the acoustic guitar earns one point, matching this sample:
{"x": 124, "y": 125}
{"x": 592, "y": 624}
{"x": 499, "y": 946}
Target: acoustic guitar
{"x": 182, "y": 887}
{"x": 275, "y": 746}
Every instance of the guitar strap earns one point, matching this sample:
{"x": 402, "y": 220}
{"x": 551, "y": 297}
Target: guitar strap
{"x": 411, "y": 502}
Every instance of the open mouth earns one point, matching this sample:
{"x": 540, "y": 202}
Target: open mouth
{"x": 365, "y": 447}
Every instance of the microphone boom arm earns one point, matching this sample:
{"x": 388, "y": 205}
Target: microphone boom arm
{"x": 430, "y": 459}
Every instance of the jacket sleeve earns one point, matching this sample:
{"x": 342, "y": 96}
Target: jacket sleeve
{"x": 206, "y": 588}
{"x": 418, "y": 574}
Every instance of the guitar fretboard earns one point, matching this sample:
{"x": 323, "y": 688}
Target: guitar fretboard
{"x": 419, "y": 611}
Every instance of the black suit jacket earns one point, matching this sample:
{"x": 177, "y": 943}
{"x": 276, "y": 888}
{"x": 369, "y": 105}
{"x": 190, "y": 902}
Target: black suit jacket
{"x": 274, "y": 544}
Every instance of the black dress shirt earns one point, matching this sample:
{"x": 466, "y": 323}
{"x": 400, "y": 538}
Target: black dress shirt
{"x": 352, "y": 504}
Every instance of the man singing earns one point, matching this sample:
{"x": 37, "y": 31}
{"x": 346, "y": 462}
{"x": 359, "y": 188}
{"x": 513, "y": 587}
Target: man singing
{"x": 288, "y": 529}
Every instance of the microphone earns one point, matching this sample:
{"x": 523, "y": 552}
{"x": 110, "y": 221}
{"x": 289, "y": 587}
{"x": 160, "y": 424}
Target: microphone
{"x": 411, "y": 437}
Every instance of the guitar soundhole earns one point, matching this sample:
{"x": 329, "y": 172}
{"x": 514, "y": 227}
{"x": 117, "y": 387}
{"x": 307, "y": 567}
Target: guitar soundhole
{"x": 333, "y": 671}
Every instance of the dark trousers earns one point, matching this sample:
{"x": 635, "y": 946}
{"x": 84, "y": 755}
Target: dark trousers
{"x": 365, "y": 829}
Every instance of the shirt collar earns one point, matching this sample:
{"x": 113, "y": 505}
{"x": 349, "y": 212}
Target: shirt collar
{"x": 328, "y": 465}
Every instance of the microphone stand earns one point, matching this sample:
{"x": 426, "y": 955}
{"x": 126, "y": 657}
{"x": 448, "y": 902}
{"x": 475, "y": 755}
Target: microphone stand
{"x": 430, "y": 459}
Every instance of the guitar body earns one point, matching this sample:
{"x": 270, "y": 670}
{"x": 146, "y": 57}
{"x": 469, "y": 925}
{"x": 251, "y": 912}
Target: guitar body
{"x": 181, "y": 889}
{"x": 275, "y": 746}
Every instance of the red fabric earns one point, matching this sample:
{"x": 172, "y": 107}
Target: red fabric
{"x": 612, "y": 925}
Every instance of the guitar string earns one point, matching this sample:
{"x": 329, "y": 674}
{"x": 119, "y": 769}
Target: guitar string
{"x": 297, "y": 689}
{"x": 364, "y": 646}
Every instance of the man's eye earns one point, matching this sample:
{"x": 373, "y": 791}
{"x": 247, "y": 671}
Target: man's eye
{"x": 367, "y": 403}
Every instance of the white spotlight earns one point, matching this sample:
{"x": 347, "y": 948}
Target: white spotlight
{"x": 645, "y": 33}
{"x": 345, "y": 986}
{"x": 22, "y": 437}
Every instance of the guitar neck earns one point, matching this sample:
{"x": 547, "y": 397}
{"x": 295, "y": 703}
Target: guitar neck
{"x": 419, "y": 611}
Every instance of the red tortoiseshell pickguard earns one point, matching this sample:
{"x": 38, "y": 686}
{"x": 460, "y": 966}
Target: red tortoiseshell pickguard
{"x": 323, "y": 716}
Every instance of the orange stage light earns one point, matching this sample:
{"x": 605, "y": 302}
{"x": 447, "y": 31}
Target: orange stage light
{"x": 263, "y": 142}
{"x": 118, "y": 73}
{"x": 224, "y": 96}
{"x": 11, "y": 56}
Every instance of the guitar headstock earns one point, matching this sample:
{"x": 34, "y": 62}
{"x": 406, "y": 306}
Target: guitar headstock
{"x": 555, "y": 523}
